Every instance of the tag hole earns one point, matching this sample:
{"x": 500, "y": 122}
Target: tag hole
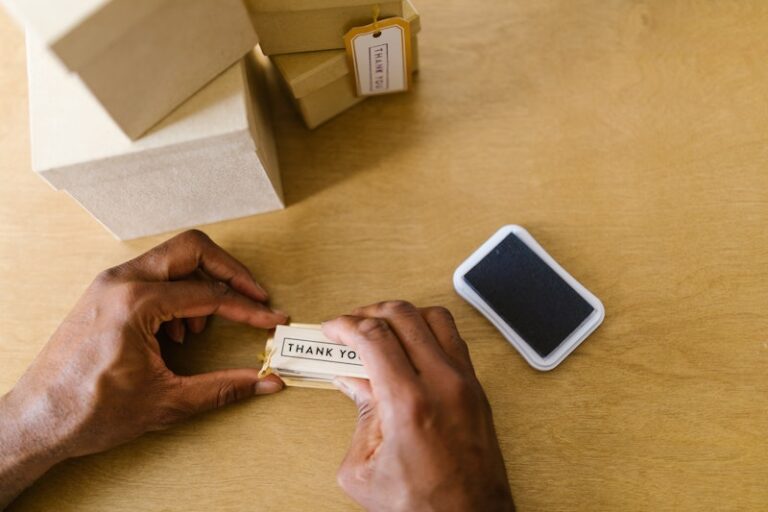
{"x": 377, "y": 33}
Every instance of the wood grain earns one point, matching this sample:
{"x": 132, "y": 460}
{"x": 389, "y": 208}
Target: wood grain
{"x": 628, "y": 136}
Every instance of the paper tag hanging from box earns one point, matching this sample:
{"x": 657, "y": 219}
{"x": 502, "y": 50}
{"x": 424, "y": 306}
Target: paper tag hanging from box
{"x": 380, "y": 56}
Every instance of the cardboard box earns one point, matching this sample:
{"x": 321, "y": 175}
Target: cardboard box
{"x": 321, "y": 83}
{"x": 150, "y": 54}
{"x": 213, "y": 159}
{"x": 289, "y": 26}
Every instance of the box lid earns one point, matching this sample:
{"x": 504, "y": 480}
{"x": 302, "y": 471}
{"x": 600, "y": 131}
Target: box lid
{"x": 72, "y": 136}
{"x": 308, "y": 71}
{"x": 78, "y": 30}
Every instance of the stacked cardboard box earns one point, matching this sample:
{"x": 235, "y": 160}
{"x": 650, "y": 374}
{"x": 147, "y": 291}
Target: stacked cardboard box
{"x": 291, "y": 26}
{"x": 152, "y": 113}
{"x": 151, "y": 53}
{"x": 212, "y": 159}
{"x": 305, "y": 40}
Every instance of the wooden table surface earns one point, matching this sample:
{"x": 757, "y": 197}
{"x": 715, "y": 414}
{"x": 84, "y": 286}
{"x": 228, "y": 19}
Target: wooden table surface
{"x": 629, "y": 137}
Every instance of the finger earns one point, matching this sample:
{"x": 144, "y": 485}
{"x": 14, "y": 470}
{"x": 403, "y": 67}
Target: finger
{"x": 387, "y": 365}
{"x": 415, "y": 335}
{"x": 186, "y": 299}
{"x": 175, "y": 329}
{"x": 183, "y": 254}
{"x": 357, "y": 390}
{"x": 366, "y": 439}
{"x": 443, "y": 326}
{"x": 197, "y": 324}
{"x": 212, "y": 390}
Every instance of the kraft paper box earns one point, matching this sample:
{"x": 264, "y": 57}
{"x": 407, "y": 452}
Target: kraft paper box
{"x": 140, "y": 58}
{"x": 213, "y": 159}
{"x": 321, "y": 83}
{"x": 289, "y": 26}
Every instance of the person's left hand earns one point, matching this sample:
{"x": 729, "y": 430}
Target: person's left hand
{"x": 101, "y": 381}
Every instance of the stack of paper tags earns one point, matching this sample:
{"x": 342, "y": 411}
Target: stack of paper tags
{"x": 302, "y": 356}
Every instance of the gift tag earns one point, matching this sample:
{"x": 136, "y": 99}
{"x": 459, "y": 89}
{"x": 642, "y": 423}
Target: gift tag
{"x": 380, "y": 56}
{"x": 302, "y": 356}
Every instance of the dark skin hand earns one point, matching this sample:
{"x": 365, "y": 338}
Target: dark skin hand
{"x": 424, "y": 441}
{"x": 100, "y": 380}
{"x": 425, "y": 438}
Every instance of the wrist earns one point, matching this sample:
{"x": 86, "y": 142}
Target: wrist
{"x": 28, "y": 442}
{"x": 33, "y": 430}
{"x": 485, "y": 496}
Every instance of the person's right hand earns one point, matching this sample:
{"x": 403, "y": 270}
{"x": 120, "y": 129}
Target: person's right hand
{"x": 425, "y": 438}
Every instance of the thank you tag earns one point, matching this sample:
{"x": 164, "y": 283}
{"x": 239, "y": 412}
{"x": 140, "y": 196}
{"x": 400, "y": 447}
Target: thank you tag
{"x": 380, "y": 56}
{"x": 300, "y": 351}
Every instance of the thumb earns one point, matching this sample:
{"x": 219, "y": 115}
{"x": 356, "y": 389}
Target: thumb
{"x": 358, "y": 390}
{"x": 353, "y": 473}
{"x": 216, "y": 389}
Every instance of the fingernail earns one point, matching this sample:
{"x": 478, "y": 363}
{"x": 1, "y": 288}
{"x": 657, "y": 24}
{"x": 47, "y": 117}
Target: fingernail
{"x": 280, "y": 313}
{"x": 267, "y": 386}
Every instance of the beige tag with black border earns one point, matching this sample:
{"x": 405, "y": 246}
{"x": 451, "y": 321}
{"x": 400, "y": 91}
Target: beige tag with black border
{"x": 302, "y": 356}
{"x": 380, "y": 56}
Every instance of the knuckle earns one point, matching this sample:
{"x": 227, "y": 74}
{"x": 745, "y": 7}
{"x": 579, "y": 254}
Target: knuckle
{"x": 220, "y": 289}
{"x": 464, "y": 393}
{"x": 438, "y": 313}
{"x": 226, "y": 394}
{"x": 109, "y": 275}
{"x": 398, "y": 307}
{"x": 195, "y": 237}
{"x": 128, "y": 293}
{"x": 459, "y": 388}
{"x": 155, "y": 257}
{"x": 372, "y": 328}
{"x": 345, "y": 323}
{"x": 348, "y": 321}
{"x": 365, "y": 410}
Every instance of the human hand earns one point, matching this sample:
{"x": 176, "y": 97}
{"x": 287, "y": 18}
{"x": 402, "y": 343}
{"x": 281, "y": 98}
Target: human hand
{"x": 425, "y": 438}
{"x": 100, "y": 380}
